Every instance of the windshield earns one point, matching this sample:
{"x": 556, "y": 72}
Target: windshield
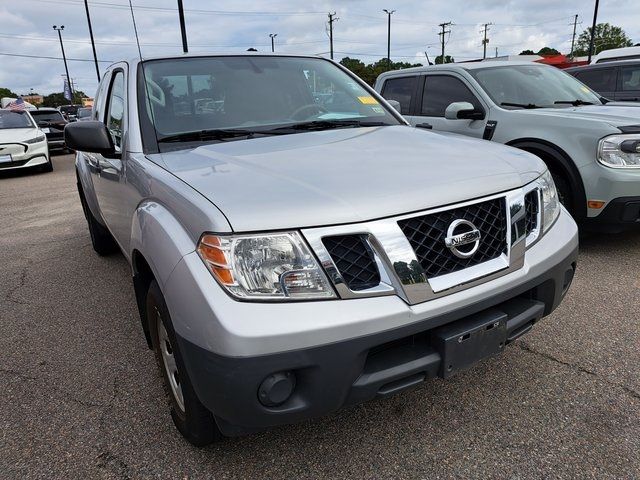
{"x": 253, "y": 94}
{"x": 84, "y": 112}
{"x": 47, "y": 116}
{"x": 9, "y": 119}
{"x": 533, "y": 86}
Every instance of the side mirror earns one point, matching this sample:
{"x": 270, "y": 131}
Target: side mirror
{"x": 396, "y": 105}
{"x": 42, "y": 123}
{"x": 90, "y": 136}
{"x": 462, "y": 111}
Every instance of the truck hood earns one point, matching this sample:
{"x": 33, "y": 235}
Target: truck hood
{"x": 346, "y": 175}
{"x": 616, "y": 115}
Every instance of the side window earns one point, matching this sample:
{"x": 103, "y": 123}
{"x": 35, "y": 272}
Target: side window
{"x": 115, "y": 112}
{"x": 630, "y": 78}
{"x": 599, "y": 79}
{"x": 98, "y": 99}
{"x": 442, "y": 90}
{"x": 400, "y": 90}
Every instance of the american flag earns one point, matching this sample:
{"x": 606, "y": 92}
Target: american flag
{"x": 17, "y": 105}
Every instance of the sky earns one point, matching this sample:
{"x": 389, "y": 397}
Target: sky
{"x": 301, "y": 27}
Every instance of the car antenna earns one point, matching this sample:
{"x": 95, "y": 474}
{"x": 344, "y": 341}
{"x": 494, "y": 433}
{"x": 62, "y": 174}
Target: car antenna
{"x": 144, "y": 76}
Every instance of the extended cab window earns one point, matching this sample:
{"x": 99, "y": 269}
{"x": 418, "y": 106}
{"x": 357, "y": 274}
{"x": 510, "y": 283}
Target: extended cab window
{"x": 600, "y": 80}
{"x": 115, "y": 114}
{"x": 630, "y": 78}
{"x": 400, "y": 90}
{"x": 442, "y": 90}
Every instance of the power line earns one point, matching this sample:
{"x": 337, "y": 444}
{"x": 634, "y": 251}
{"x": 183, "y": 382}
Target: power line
{"x": 53, "y": 58}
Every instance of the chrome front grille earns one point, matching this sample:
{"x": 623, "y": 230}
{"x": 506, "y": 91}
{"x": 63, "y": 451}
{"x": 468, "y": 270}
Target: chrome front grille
{"x": 415, "y": 256}
{"x": 427, "y": 234}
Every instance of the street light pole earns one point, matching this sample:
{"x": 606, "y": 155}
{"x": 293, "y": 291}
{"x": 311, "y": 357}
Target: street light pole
{"x": 272, "y": 36}
{"x": 593, "y": 31}
{"x": 389, "y": 13}
{"x": 93, "y": 45}
{"x": 64, "y": 57}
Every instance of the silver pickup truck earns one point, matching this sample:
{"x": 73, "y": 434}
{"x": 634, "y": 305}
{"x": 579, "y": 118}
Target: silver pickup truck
{"x": 296, "y": 246}
{"x": 591, "y": 145}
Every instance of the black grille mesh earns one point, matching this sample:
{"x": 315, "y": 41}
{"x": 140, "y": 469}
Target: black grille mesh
{"x": 354, "y": 260}
{"x": 531, "y": 205}
{"x": 427, "y": 234}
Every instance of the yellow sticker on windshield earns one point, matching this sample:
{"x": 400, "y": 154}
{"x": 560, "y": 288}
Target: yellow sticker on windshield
{"x": 368, "y": 100}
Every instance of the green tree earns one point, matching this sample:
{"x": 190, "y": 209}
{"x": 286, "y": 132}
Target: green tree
{"x": 548, "y": 51}
{"x": 57, "y": 99}
{"x": 5, "y": 92}
{"x": 447, "y": 59}
{"x": 370, "y": 72}
{"x": 607, "y": 37}
{"x": 527, "y": 52}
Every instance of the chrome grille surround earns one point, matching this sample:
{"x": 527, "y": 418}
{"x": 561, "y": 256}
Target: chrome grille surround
{"x": 393, "y": 253}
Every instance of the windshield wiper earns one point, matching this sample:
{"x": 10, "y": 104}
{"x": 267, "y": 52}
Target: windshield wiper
{"x": 575, "y": 103}
{"x": 204, "y": 135}
{"x": 521, "y": 105}
{"x": 328, "y": 124}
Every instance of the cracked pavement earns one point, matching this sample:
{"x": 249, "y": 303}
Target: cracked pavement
{"x": 81, "y": 397}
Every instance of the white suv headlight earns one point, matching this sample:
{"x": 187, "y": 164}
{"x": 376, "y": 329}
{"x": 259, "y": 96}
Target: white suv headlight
{"x": 271, "y": 266}
{"x": 620, "y": 151}
{"x": 38, "y": 139}
{"x": 550, "y": 201}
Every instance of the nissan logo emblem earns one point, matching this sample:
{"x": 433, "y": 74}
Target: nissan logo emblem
{"x": 463, "y": 238}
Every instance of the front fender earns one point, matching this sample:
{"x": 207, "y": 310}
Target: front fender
{"x": 160, "y": 238}
{"x": 86, "y": 183}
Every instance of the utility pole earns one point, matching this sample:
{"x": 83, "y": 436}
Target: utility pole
{"x": 93, "y": 45}
{"x": 272, "y": 36}
{"x": 389, "y": 13}
{"x": 593, "y": 31}
{"x": 485, "y": 41}
{"x": 573, "y": 37}
{"x": 496, "y": 52}
{"x": 331, "y": 20}
{"x": 183, "y": 29}
{"x": 64, "y": 58}
{"x": 442, "y": 34}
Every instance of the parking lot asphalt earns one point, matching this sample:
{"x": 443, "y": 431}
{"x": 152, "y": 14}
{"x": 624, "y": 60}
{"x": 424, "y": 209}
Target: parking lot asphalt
{"x": 80, "y": 396}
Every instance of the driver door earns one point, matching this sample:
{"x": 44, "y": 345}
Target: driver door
{"x": 438, "y": 92}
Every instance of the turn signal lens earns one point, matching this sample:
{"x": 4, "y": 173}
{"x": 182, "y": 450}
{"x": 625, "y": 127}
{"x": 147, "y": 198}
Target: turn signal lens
{"x": 596, "y": 204}
{"x": 213, "y": 253}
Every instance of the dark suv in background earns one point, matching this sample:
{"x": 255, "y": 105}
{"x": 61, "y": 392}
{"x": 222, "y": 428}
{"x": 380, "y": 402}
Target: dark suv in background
{"x": 619, "y": 80}
{"x": 52, "y": 123}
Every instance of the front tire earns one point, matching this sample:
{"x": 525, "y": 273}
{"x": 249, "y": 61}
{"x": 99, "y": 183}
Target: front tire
{"x": 565, "y": 195}
{"x": 47, "y": 167}
{"x": 191, "y": 418}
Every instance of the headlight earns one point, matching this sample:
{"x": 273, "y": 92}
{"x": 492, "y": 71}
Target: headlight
{"x": 276, "y": 266}
{"x": 550, "y": 201}
{"x": 620, "y": 151}
{"x": 38, "y": 139}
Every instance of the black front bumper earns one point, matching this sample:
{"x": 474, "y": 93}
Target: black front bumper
{"x": 619, "y": 215}
{"x": 329, "y": 377}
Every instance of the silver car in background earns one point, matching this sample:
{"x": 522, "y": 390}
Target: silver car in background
{"x": 297, "y": 247}
{"x": 591, "y": 148}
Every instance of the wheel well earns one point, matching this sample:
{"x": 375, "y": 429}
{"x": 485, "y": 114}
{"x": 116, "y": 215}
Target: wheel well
{"x": 142, "y": 278}
{"x": 559, "y": 163}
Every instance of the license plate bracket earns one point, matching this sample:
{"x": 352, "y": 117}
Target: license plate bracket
{"x": 463, "y": 343}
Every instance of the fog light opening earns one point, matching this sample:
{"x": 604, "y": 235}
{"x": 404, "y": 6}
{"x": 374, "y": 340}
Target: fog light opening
{"x": 276, "y": 389}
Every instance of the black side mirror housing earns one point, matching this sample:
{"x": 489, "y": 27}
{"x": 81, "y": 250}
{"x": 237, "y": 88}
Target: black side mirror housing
{"x": 471, "y": 115}
{"x": 90, "y": 136}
